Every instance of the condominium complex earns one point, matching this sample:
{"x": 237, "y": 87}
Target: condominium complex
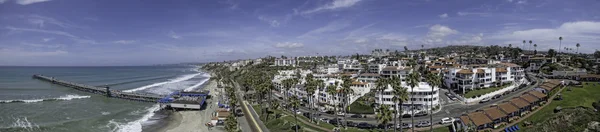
{"x": 285, "y": 62}
{"x": 482, "y": 76}
{"x": 421, "y": 96}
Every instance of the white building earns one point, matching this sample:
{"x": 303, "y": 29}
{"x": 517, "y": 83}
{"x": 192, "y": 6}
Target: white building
{"x": 465, "y": 79}
{"x": 421, "y": 96}
{"x": 285, "y": 62}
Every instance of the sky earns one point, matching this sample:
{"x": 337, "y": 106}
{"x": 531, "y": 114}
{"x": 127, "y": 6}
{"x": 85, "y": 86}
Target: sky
{"x": 147, "y": 32}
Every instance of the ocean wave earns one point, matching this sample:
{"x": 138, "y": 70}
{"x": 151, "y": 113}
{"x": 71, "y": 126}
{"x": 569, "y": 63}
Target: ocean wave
{"x": 25, "y": 124}
{"x": 134, "y": 126}
{"x": 134, "y": 81}
{"x": 66, "y": 97}
{"x": 179, "y": 79}
{"x": 198, "y": 84}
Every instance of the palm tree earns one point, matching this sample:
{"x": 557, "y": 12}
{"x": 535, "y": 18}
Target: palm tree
{"x": 332, "y": 91}
{"x": 400, "y": 96}
{"x": 413, "y": 81}
{"x": 560, "y": 43}
{"x": 523, "y": 44}
{"x": 434, "y": 80}
{"x": 510, "y": 45}
{"x": 577, "y": 47}
{"x": 422, "y": 46}
{"x": 535, "y": 48}
{"x": 405, "y": 48}
{"x": 311, "y": 86}
{"x": 320, "y": 85}
{"x": 295, "y": 104}
{"x": 530, "y": 44}
{"x": 287, "y": 85}
{"x": 384, "y": 115}
{"x": 231, "y": 123}
{"x": 346, "y": 91}
{"x": 380, "y": 85}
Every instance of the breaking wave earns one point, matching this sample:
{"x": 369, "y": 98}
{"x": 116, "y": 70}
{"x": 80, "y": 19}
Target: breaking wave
{"x": 66, "y": 97}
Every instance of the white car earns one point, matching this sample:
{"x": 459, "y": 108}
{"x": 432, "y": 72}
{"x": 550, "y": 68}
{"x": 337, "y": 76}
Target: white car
{"x": 447, "y": 120}
{"x": 340, "y": 113}
{"x": 298, "y": 112}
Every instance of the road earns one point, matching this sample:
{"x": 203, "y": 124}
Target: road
{"x": 253, "y": 122}
{"x": 449, "y": 108}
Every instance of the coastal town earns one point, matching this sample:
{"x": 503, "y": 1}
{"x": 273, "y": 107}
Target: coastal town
{"x": 453, "y": 88}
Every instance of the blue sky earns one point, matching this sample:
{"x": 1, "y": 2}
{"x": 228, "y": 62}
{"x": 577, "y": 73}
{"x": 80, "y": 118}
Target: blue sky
{"x": 134, "y": 32}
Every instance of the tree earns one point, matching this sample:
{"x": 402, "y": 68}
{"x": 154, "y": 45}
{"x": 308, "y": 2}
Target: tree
{"x": 413, "y": 81}
{"x": 287, "y": 85}
{"x": 311, "y": 86}
{"x": 535, "y": 49}
{"x": 560, "y": 43}
{"x": 509, "y": 45}
{"x": 551, "y": 52}
{"x": 577, "y": 47}
{"x": 434, "y": 81}
{"x": 405, "y": 48}
{"x": 231, "y": 123}
{"x": 380, "y": 85}
{"x": 530, "y": 42}
{"x": 332, "y": 91}
{"x": 295, "y": 104}
{"x": 346, "y": 91}
{"x": 524, "y": 44}
{"x": 400, "y": 96}
{"x": 384, "y": 115}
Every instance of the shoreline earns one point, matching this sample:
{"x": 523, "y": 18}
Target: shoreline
{"x": 191, "y": 120}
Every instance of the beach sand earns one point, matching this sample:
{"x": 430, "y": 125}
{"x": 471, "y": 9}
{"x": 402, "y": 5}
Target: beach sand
{"x": 193, "y": 121}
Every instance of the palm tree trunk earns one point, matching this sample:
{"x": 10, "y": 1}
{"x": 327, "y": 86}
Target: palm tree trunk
{"x": 395, "y": 115}
{"x": 400, "y": 117}
{"x": 296, "y": 117}
{"x": 270, "y": 102}
{"x": 412, "y": 105}
{"x": 346, "y": 111}
{"x": 431, "y": 111}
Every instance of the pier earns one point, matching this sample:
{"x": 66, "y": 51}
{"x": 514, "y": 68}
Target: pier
{"x": 101, "y": 90}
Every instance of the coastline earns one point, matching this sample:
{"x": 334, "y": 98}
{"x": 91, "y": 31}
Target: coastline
{"x": 192, "y": 120}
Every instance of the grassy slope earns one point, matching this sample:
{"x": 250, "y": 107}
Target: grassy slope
{"x": 578, "y": 97}
{"x": 483, "y": 91}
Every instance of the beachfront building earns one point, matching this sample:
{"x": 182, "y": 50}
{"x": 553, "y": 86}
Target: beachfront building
{"x": 482, "y": 76}
{"x": 401, "y": 72}
{"x": 285, "y": 62}
{"x": 421, "y": 96}
{"x": 328, "y": 69}
{"x": 350, "y": 65}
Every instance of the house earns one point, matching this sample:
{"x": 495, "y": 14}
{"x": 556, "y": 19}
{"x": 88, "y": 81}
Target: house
{"x": 480, "y": 120}
{"x": 589, "y": 77}
{"x": 496, "y": 115}
{"x": 511, "y": 111}
{"x": 532, "y": 100}
{"x": 523, "y": 106}
{"x": 541, "y": 96}
{"x": 368, "y": 77}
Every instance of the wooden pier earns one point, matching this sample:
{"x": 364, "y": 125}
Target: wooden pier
{"x": 100, "y": 90}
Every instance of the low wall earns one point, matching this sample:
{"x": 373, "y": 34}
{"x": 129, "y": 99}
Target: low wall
{"x": 490, "y": 95}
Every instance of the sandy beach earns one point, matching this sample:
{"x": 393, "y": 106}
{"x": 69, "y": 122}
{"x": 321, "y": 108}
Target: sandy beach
{"x": 193, "y": 121}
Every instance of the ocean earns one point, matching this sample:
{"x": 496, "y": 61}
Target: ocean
{"x": 27, "y": 104}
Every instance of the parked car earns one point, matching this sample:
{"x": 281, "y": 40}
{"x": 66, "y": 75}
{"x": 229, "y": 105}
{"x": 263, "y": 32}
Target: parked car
{"x": 422, "y": 113}
{"x": 383, "y": 126}
{"x": 487, "y": 99}
{"x": 298, "y": 112}
{"x": 334, "y": 122}
{"x": 325, "y": 120}
{"x": 453, "y": 98}
{"x": 351, "y": 124}
{"x": 340, "y": 113}
{"x": 447, "y": 120}
{"x": 496, "y": 96}
{"x": 329, "y": 112}
{"x": 406, "y": 125}
{"x": 424, "y": 124}
{"x": 356, "y": 116}
{"x": 364, "y": 125}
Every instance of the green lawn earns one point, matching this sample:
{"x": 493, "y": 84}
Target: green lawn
{"x": 360, "y": 107}
{"x": 578, "y": 97}
{"x": 484, "y": 91}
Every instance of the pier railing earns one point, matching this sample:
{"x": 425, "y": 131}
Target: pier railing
{"x": 100, "y": 90}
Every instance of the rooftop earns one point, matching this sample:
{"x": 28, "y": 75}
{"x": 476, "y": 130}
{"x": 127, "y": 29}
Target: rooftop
{"x": 529, "y": 98}
{"x": 465, "y": 71}
{"x": 494, "y": 113}
{"x": 507, "y": 107}
{"x": 479, "y": 118}
{"x": 537, "y": 94}
{"x": 520, "y": 103}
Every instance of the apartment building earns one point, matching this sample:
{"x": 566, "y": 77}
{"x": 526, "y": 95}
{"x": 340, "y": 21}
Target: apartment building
{"x": 285, "y": 62}
{"x": 483, "y": 76}
{"x": 401, "y": 72}
{"x": 422, "y": 97}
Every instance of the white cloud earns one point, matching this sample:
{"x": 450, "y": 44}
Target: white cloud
{"x": 42, "y": 21}
{"x": 19, "y": 52}
{"x": 330, "y": 27}
{"x": 47, "y": 39}
{"x": 333, "y": 5}
{"x": 445, "y": 15}
{"x": 272, "y": 22}
{"x": 289, "y": 45}
{"x": 468, "y": 40}
{"x": 27, "y": 2}
{"x": 522, "y": 2}
{"x": 460, "y": 13}
{"x": 2, "y": 1}
{"x": 173, "y": 35}
{"x": 510, "y": 1}
{"x": 124, "y": 41}
{"x": 437, "y": 33}
{"x": 84, "y": 41}
{"x": 43, "y": 45}
{"x": 583, "y": 32}
{"x": 41, "y": 31}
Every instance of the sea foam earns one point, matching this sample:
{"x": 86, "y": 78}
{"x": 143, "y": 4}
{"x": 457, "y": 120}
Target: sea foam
{"x": 179, "y": 79}
{"x": 66, "y": 97}
{"x": 135, "y": 126}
